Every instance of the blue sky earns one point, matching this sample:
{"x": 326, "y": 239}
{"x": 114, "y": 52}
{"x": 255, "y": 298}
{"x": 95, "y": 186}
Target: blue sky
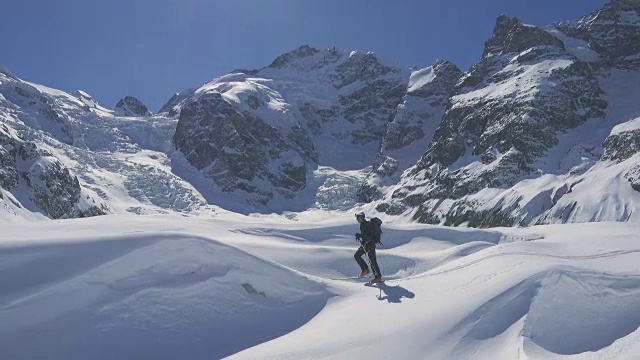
{"x": 152, "y": 49}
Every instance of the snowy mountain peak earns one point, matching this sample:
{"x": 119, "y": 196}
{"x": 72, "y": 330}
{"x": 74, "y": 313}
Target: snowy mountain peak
{"x": 613, "y": 32}
{"x": 303, "y": 51}
{"x": 87, "y": 100}
{"x": 306, "y": 59}
{"x": 617, "y": 13}
{"x": 421, "y": 78}
{"x": 5, "y": 70}
{"x": 265, "y": 131}
{"x": 623, "y": 5}
{"x": 84, "y": 97}
{"x": 169, "y": 106}
{"x": 131, "y": 106}
{"x": 511, "y": 35}
{"x": 342, "y": 67}
{"x": 81, "y": 94}
{"x": 518, "y": 114}
{"x": 361, "y": 66}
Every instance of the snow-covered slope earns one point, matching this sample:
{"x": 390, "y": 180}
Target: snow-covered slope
{"x": 162, "y": 287}
{"x": 64, "y": 155}
{"x": 543, "y": 130}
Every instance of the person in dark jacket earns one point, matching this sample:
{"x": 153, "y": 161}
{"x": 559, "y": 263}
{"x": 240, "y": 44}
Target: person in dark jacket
{"x": 368, "y": 246}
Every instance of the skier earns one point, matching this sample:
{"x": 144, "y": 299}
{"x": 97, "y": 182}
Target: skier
{"x": 368, "y": 246}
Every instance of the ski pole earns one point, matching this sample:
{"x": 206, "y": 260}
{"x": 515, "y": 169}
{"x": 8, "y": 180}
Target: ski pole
{"x": 364, "y": 248}
{"x": 367, "y": 254}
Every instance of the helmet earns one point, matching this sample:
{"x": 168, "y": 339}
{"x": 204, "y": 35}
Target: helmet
{"x": 360, "y": 214}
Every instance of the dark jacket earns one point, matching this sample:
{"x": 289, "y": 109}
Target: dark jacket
{"x": 366, "y": 232}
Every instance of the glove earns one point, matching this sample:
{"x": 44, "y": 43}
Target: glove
{"x": 358, "y": 236}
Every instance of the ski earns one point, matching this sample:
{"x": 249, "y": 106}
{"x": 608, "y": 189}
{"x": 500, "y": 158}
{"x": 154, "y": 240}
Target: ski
{"x": 352, "y": 278}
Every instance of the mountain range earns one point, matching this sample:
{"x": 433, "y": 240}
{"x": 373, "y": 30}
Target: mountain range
{"x": 544, "y": 128}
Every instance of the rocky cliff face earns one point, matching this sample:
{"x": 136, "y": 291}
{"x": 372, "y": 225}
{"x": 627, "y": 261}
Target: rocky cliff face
{"x": 131, "y": 106}
{"x": 28, "y": 172}
{"x": 623, "y": 142}
{"x": 535, "y": 92}
{"x": 265, "y": 131}
{"x": 238, "y": 150}
{"x": 427, "y": 95}
{"x": 63, "y": 155}
{"x": 40, "y": 179}
{"x": 613, "y": 32}
{"x": 413, "y": 126}
{"x": 170, "y": 106}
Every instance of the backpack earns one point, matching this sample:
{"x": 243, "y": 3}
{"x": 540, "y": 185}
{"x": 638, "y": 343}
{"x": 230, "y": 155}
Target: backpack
{"x": 377, "y": 230}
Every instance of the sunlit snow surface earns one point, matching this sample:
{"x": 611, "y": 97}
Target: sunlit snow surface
{"x": 166, "y": 287}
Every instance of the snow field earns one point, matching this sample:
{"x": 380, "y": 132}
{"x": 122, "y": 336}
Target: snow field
{"x": 244, "y": 288}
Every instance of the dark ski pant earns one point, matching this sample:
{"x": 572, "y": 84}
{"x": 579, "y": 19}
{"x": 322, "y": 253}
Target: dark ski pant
{"x": 371, "y": 253}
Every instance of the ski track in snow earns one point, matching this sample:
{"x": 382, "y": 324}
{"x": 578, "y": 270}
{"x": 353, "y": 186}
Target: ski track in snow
{"x": 163, "y": 287}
